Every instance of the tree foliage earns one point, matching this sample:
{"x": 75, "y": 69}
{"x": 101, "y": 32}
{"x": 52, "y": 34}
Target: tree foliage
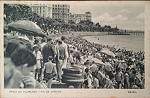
{"x": 16, "y": 12}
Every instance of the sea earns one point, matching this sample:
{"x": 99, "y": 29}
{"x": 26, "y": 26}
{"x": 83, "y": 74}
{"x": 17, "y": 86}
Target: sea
{"x": 134, "y": 42}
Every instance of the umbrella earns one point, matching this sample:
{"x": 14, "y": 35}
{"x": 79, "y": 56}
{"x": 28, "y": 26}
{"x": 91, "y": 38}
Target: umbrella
{"x": 26, "y": 26}
{"x": 108, "y": 52}
{"x": 90, "y": 58}
{"x": 98, "y": 61}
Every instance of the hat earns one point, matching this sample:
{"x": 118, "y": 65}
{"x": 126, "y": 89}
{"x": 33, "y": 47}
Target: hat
{"x": 35, "y": 46}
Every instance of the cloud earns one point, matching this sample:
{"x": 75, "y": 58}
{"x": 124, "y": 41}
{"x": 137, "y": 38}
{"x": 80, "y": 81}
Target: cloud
{"x": 124, "y": 11}
{"x": 120, "y": 17}
{"x": 106, "y": 17}
{"x": 140, "y": 16}
{"x": 122, "y": 21}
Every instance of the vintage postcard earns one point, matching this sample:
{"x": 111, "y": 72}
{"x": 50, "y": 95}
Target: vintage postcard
{"x": 75, "y": 49}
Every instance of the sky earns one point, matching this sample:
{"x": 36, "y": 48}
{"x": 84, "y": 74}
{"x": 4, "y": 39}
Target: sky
{"x": 125, "y": 16}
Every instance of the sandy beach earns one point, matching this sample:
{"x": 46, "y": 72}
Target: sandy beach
{"x": 129, "y": 42}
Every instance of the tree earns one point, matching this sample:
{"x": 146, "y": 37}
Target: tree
{"x": 86, "y": 22}
{"x": 98, "y": 25}
{"x": 16, "y": 12}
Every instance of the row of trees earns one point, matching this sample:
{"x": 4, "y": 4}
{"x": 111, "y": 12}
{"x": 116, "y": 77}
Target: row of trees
{"x": 14, "y": 12}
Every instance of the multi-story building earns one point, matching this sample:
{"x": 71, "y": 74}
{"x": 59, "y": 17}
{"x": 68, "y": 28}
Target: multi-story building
{"x": 80, "y": 17}
{"x": 61, "y": 12}
{"x": 88, "y": 16}
{"x": 42, "y": 10}
{"x": 72, "y": 18}
{"x": 54, "y": 11}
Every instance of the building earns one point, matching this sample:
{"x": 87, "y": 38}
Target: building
{"x": 60, "y": 12}
{"x": 54, "y": 11}
{"x": 42, "y": 10}
{"x": 88, "y": 16}
{"x": 72, "y": 18}
{"x": 80, "y": 17}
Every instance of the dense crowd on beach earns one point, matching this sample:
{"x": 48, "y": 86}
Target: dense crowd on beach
{"x": 127, "y": 67}
{"x": 42, "y": 59}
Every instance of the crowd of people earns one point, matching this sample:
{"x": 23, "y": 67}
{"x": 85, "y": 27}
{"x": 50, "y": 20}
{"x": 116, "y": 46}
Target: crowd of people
{"x": 127, "y": 67}
{"x": 30, "y": 62}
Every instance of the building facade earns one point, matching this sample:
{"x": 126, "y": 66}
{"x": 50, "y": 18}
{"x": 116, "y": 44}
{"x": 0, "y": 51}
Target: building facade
{"x": 54, "y": 11}
{"x": 42, "y": 10}
{"x": 88, "y": 16}
{"x": 60, "y": 12}
{"x": 80, "y": 17}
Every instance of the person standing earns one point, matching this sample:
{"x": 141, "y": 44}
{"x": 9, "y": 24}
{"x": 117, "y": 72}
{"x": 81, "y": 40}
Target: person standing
{"x": 61, "y": 57}
{"x": 88, "y": 79}
{"x": 49, "y": 71}
{"x": 38, "y": 69}
{"x": 43, "y": 42}
{"x": 126, "y": 80}
{"x": 64, "y": 47}
{"x": 119, "y": 78}
{"x": 48, "y": 50}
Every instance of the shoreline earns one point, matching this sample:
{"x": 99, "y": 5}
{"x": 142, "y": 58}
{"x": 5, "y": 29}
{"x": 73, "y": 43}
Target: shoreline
{"x": 82, "y": 34}
{"x": 106, "y": 45}
{"x": 96, "y": 34}
{"x": 116, "y": 42}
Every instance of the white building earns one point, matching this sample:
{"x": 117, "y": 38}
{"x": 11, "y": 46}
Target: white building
{"x": 80, "y": 17}
{"x": 60, "y": 12}
{"x": 42, "y": 10}
{"x": 54, "y": 11}
{"x": 88, "y": 16}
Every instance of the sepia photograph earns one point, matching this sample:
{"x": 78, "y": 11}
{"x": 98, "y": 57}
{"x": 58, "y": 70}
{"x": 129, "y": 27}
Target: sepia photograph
{"x": 63, "y": 46}
{"x": 80, "y": 45}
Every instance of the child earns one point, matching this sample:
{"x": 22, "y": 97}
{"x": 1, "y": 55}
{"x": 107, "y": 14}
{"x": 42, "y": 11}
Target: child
{"x": 49, "y": 71}
{"x": 39, "y": 57}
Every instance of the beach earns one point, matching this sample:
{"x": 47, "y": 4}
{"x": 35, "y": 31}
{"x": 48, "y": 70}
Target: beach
{"x": 129, "y": 42}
